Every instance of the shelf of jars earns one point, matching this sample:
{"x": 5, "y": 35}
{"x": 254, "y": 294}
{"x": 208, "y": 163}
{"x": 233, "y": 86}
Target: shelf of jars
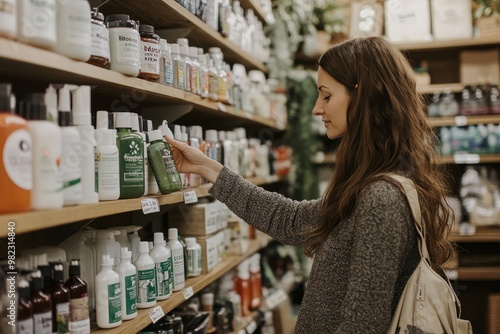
{"x": 464, "y": 120}
{"x": 41, "y": 219}
{"x": 193, "y": 286}
{"x": 481, "y": 234}
{"x": 168, "y": 14}
{"x": 451, "y": 44}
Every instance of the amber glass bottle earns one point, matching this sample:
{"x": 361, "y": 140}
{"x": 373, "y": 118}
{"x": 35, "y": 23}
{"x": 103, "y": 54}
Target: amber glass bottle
{"x": 60, "y": 301}
{"x": 79, "y": 320}
{"x": 42, "y": 306}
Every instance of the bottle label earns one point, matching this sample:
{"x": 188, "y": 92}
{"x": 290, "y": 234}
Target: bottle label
{"x": 130, "y": 294}
{"x": 79, "y": 322}
{"x": 191, "y": 253}
{"x": 170, "y": 165}
{"x": 178, "y": 259}
{"x": 70, "y": 167}
{"x": 62, "y": 317}
{"x": 162, "y": 278}
{"x": 150, "y": 58}
{"x": 43, "y": 323}
{"x": 131, "y": 165}
{"x": 8, "y": 15}
{"x": 147, "y": 286}
{"x": 169, "y": 70}
{"x": 17, "y": 159}
{"x": 99, "y": 41}
{"x": 195, "y": 79}
{"x": 171, "y": 273}
{"x": 222, "y": 90}
{"x": 25, "y": 326}
{"x": 39, "y": 19}
{"x": 213, "y": 86}
{"x": 114, "y": 303}
{"x": 78, "y": 28}
{"x": 126, "y": 46}
{"x": 108, "y": 171}
{"x": 179, "y": 68}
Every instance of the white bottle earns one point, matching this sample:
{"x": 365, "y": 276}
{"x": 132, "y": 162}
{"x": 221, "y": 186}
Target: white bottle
{"x": 108, "y": 168}
{"x": 128, "y": 285}
{"x": 8, "y": 24}
{"x": 107, "y": 245}
{"x": 71, "y": 157}
{"x": 163, "y": 260}
{"x": 73, "y": 29}
{"x": 194, "y": 257}
{"x": 124, "y": 40}
{"x": 122, "y": 237}
{"x": 146, "y": 282}
{"x": 46, "y": 140}
{"x": 108, "y": 295}
{"x": 177, "y": 258}
{"x": 82, "y": 120}
{"x": 36, "y": 23}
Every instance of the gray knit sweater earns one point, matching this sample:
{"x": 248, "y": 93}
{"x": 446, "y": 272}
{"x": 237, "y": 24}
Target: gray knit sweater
{"x": 359, "y": 271}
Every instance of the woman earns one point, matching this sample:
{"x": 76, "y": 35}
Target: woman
{"x": 360, "y": 232}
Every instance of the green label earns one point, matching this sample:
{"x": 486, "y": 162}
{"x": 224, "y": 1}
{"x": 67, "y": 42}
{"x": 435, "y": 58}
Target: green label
{"x": 191, "y": 259}
{"x": 171, "y": 273}
{"x": 170, "y": 165}
{"x": 114, "y": 303}
{"x": 147, "y": 286}
{"x": 162, "y": 278}
{"x": 131, "y": 166}
{"x": 130, "y": 294}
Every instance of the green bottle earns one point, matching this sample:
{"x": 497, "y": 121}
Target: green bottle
{"x": 162, "y": 163}
{"x": 131, "y": 156}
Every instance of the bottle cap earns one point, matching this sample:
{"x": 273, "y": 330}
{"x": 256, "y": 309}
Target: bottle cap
{"x": 193, "y": 52}
{"x": 125, "y": 253}
{"x": 144, "y": 247}
{"x": 207, "y": 299}
{"x": 123, "y": 120}
{"x": 58, "y": 271}
{"x": 105, "y": 235}
{"x": 36, "y": 282}
{"x": 24, "y": 290}
{"x": 163, "y": 44}
{"x": 184, "y": 50}
{"x": 165, "y": 130}
{"x": 102, "y": 120}
{"x": 81, "y": 106}
{"x": 183, "y": 41}
{"x": 96, "y": 15}
{"x": 173, "y": 234}
{"x": 74, "y": 267}
{"x": 5, "y": 97}
{"x": 154, "y": 135}
{"x": 158, "y": 237}
{"x": 190, "y": 241}
{"x": 177, "y": 132}
{"x": 211, "y": 135}
{"x": 174, "y": 48}
{"x": 106, "y": 260}
{"x": 135, "y": 122}
{"x": 222, "y": 135}
{"x": 147, "y": 29}
{"x": 184, "y": 137}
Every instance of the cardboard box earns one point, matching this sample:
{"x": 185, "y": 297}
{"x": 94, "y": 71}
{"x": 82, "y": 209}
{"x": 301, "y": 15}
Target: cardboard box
{"x": 407, "y": 21}
{"x": 480, "y": 66}
{"x": 209, "y": 252}
{"x": 195, "y": 220}
{"x": 451, "y": 19}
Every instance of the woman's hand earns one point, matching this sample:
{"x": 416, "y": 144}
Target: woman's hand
{"x": 191, "y": 160}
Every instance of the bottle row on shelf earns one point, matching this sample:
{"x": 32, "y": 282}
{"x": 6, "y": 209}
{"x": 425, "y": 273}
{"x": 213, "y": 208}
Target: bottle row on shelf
{"x": 479, "y": 139}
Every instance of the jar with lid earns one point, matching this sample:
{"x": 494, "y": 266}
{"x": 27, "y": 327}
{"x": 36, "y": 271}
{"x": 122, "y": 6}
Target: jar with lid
{"x": 124, "y": 43}
{"x": 99, "y": 48}
{"x": 150, "y": 53}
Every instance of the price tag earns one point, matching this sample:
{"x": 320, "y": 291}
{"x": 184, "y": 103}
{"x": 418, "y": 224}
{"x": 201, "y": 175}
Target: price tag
{"x": 221, "y": 106}
{"x": 467, "y": 229}
{"x": 190, "y": 197}
{"x": 466, "y": 158}
{"x": 461, "y": 120}
{"x": 156, "y": 314}
{"x": 276, "y": 298}
{"x": 150, "y": 205}
{"x": 188, "y": 293}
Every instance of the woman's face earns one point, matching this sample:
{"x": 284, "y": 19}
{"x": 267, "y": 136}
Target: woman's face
{"x": 331, "y": 105}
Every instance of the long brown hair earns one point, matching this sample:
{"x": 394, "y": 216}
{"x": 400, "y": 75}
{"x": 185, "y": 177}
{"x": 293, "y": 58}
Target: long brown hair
{"x": 387, "y": 131}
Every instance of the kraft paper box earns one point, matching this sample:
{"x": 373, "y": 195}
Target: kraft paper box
{"x": 209, "y": 252}
{"x": 480, "y": 66}
{"x": 407, "y": 21}
{"x": 451, "y": 19}
{"x": 195, "y": 220}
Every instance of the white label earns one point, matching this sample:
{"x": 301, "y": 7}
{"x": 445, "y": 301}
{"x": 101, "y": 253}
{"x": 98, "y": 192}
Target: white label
{"x": 25, "y": 326}
{"x": 150, "y": 205}
{"x": 43, "y": 323}
{"x": 17, "y": 159}
{"x": 466, "y": 158}
{"x": 77, "y": 26}
{"x": 150, "y": 58}
{"x": 190, "y": 197}
{"x": 80, "y": 327}
{"x": 108, "y": 170}
{"x": 156, "y": 314}
{"x": 100, "y": 41}
{"x": 70, "y": 166}
{"x": 178, "y": 262}
{"x": 461, "y": 120}
{"x": 126, "y": 46}
{"x": 39, "y": 19}
{"x": 276, "y": 298}
{"x": 467, "y": 229}
{"x": 188, "y": 293}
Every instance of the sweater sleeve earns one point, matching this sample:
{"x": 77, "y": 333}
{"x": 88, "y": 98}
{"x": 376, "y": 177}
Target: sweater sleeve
{"x": 383, "y": 239}
{"x": 282, "y": 218}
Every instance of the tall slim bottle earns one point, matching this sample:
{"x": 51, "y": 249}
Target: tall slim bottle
{"x": 24, "y": 321}
{"x": 128, "y": 284}
{"x": 79, "y": 320}
{"x": 42, "y": 306}
{"x": 146, "y": 282}
{"x": 60, "y": 301}
{"x": 108, "y": 295}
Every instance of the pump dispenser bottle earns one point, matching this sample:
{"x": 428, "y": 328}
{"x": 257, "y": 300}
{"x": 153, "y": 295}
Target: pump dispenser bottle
{"x": 128, "y": 285}
{"x": 15, "y": 157}
{"x": 146, "y": 277}
{"x": 152, "y": 184}
{"x": 108, "y": 295}
{"x": 177, "y": 257}
{"x": 42, "y": 306}
{"x": 107, "y": 245}
{"x": 79, "y": 321}
{"x": 24, "y": 321}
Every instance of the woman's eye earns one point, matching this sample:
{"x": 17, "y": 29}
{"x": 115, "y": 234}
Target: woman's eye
{"x": 327, "y": 98}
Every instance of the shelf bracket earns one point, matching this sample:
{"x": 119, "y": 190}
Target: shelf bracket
{"x": 169, "y": 113}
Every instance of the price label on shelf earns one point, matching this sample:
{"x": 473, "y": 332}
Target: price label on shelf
{"x": 156, "y": 314}
{"x": 188, "y": 293}
{"x": 150, "y": 205}
{"x": 276, "y": 298}
{"x": 467, "y": 229}
{"x": 466, "y": 158}
{"x": 461, "y": 120}
{"x": 190, "y": 197}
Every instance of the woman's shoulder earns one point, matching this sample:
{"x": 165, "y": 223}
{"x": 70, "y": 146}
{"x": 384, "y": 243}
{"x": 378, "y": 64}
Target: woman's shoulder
{"x": 383, "y": 191}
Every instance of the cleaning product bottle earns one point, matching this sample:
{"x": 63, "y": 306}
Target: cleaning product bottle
{"x": 194, "y": 257}
{"x": 82, "y": 120}
{"x": 177, "y": 258}
{"x": 79, "y": 320}
{"x": 71, "y": 153}
{"x": 108, "y": 167}
{"x": 178, "y": 137}
{"x": 128, "y": 285}
{"x": 15, "y": 157}
{"x": 42, "y": 305}
{"x": 146, "y": 277}
{"x": 60, "y": 301}
{"x": 131, "y": 157}
{"x": 135, "y": 241}
{"x": 46, "y": 138}
{"x": 162, "y": 257}
{"x": 163, "y": 164}
{"x": 108, "y": 295}
{"x": 24, "y": 321}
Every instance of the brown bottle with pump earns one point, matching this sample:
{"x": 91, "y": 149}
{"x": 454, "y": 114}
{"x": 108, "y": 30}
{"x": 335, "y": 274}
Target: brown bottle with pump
{"x": 79, "y": 320}
{"x": 42, "y": 306}
{"x": 60, "y": 301}
{"x": 24, "y": 323}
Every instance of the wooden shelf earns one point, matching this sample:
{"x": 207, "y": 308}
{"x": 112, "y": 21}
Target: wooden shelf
{"x": 469, "y": 159}
{"x": 451, "y": 44}
{"x": 430, "y": 89}
{"x": 257, "y": 9}
{"x": 168, "y": 14}
{"x": 196, "y": 284}
{"x": 464, "y": 120}
{"x": 477, "y": 273}
{"x": 41, "y": 219}
{"x": 483, "y": 234}
{"x": 248, "y": 324}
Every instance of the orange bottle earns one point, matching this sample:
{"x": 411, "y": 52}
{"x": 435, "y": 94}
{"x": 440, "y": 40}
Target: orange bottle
{"x": 15, "y": 157}
{"x": 255, "y": 281}
{"x": 242, "y": 287}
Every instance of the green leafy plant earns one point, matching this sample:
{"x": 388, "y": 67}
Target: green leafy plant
{"x": 327, "y": 16}
{"x": 485, "y": 8}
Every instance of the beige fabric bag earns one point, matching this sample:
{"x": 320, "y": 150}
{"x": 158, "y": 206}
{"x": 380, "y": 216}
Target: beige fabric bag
{"x": 428, "y": 303}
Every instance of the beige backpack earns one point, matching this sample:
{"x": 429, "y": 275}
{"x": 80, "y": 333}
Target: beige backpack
{"x": 428, "y": 304}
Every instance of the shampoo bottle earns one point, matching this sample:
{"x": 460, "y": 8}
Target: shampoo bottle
{"x": 128, "y": 285}
{"x": 152, "y": 184}
{"x": 79, "y": 321}
{"x": 108, "y": 295}
{"x": 107, "y": 245}
{"x": 162, "y": 257}
{"x": 177, "y": 257}
{"x": 15, "y": 157}
{"x": 146, "y": 277}
{"x": 194, "y": 257}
